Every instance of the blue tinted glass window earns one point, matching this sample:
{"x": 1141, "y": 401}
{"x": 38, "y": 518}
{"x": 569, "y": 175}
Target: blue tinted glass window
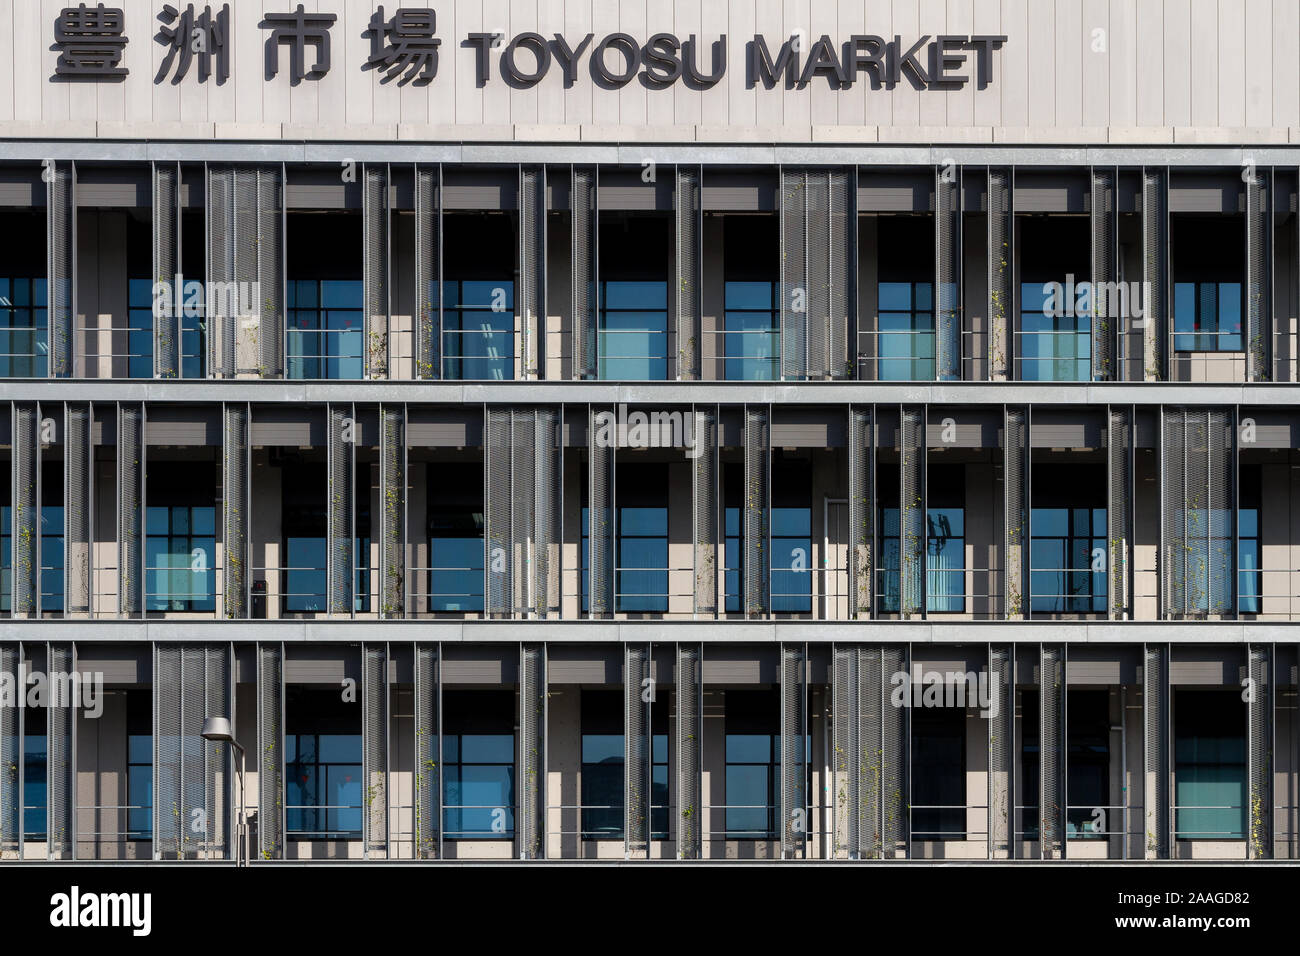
{"x": 905, "y": 338}
{"x": 24, "y": 343}
{"x": 1062, "y": 578}
{"x": 478, "y": 786}
{"x": 326, "y": 334}
{"x": 1207, "y": 317}
{"x": 324, "y": 792}
{"x": 634, "y": 330}
{"x": 752, "y": 331}
{"x": 1055, "y": 339}
{"x": 478, "y": 330}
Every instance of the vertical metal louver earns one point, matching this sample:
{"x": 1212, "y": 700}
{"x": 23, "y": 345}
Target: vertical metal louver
{"x": 1259, "y": 749}
{"x": 895, "y": 754}
{"x": 1197, "y": 511}
{"x": 340, "y": 508}
{"x": 524, "y": 495}
{"x": 375, "y": 212}
{"x": 794, "y": 752}
{"x": 1259, "y": 273}
{"x": 1001, "y": 225}
{"x": 428, "y": 751}
{"x": 270, "y": 751}
{"x": 1156, "y": 700}
{"x": 689, "y": 705}
{"x": 130, "y": 508}
{"x": 862, "y": 510}
{"x": 818, "y": 272}
{"x": 584, "y": 261}
{"x": 11, "y": 754}
{"x": 235, "y": 505}
{"x": 78, "y": 513}
{"x": 638, "y": 695}
{"x": 61, "y": 265}
{"x": 428, "y": 272}
{"x": 600, "y": 512}
{"x": 547, "y": 454}
{"x": 948, "y": 312}
{"x": 1106, "y": 298}
{"x": 392, "y": 492}
{"x": 192, "y": 776}
{"x": 1119, "y": 510}
{"x": 912, "y": 534}
{"x": 532, "y": 271}
{"x": 755, "y": 556}
{"x": 498, "y": 477}
{"x": 1155, "y": 272}
{"x": 25, "y": 452}
{"x": 61, "y": 766}
{"x": 688, "y": 290}
{"x": 704, "y": 511}
{"x": 245, "y": 270}
{"x": 374, "y": 745}
{"x": 167, "y": 267}
{"x": 530, "y": 824}
{"x": 1002, "y": 752}
{"x": 1051, "y": 751}
{"x": 1015, "y": 511}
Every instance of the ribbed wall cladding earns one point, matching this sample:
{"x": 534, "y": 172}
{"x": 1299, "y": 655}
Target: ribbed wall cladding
{"x": 583, "y": 262}
{"x": 25, "y": 461}
{"x": 862, "y": 511}
{"x": 638, "y": 699}
{"x": 270, "y": 751}
{"x": 1260, "y": 751}
{"x": 1156, "y": 749}
{"x": 794, "y": 754}
{"x": 167, "y": 266}
{"x": 689, "y": 704}
{"x": 374, "y": 744}
{"x": 428, "y": 272}
{"x": 428, "y": 751}
{"x": 340, "y": 509}
{"x": 688, "y": 290}
{"x": 1052, "y": 751}
{"x": 948, "y": 272}
{"x": 530, "y": 785}
{"x": 131, "y": 473}
{"x": 1104, "y": 223}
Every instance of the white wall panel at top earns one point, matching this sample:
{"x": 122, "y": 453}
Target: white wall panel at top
{"x": 1232, "y": 64}
{"x": 247, "y": 72}
{"x": 742, "y": 109}
{"x": 988, "y": 101}
{"x": 960, "y": 104}
{"x": 1123, "y": 63}
{"x": 54, "y": 97}
{"x": 768, "y": 104}
{"x": 1285, "y": 35}
{"x": 1096, "y": 57}
{"x": 1257, "y": 45}
{"x": 905, "y": 99}
{"x": 1178, "y": 62}
{"x": 604, "y": 103}
{"x": 796, "y": 112}
{"x": 715, "y": 102}
{"x": 1205, "y": 63}
{"x": 358, "y": 104}
{"x": 824, "y": 90}
{"x": 578, "y": 99}
{"x": 1041, "y": 45}
{"x": 1149, "y": 54}
{"x": 932, "y": 109}
{"x": 1072, "y": 45}
{"x": 497, "y": 95}
{"x": 1014, "y": 85}
{"x": 7, "y": 68}
{"x": 469, "y": 98}
{"x": 523, "y": 101}
{"x": 550, "y": 96}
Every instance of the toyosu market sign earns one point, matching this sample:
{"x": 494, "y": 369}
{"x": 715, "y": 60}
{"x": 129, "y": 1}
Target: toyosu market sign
{"x": 405, "y": 46}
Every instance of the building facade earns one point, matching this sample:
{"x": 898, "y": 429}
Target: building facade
{"x": 715, "y": 431}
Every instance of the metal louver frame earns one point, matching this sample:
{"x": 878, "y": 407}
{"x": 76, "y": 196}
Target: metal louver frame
{"x": 1106, "y": 297}
{"x": 689, "y": 732}
{"x": 1001, "y": 282}
{"x": 1052, "y": 789}
{"x": 376, "y": 208}
{"x": 61, "y": 760}
{"x": 167, "y": 268}
{"x": 1119, "y": 510}
{"x": 1198, "y": 481}
{"x": 340, "y": 508}
{"x": 428, "y": 271}
{"x": 11, "y": 754}
{"x": 191, "y": 776}
{"x": 1260, "y": 747}
{"x": 270, "y": 751}
{"x": 794, "y": 752}
{"x": 392, "y": 492}
{"x": 25, "y": 461}
{"x": 948, "y": 301}
{"x": 912, "y": 511}
{"x": 131, "y": 472}
{"x": 428, "y": 751}
{"x": 78, "y": 513}
{"x": 818, "y": 272}
{"x": 1002, "y": 790}
{"x": 1157, "y": 331}
{"x": 375, "y": 708}
{"x": 755, "y": 561}
{"x": 705, "y": 494}
{"x": 548, "y": 511}
{"x": 532, "y": 271}
{"x": 523, "y": 513}
{"x": 530, "y": 821}
{"x": 61, "y": 265}
{"x": 688, "y": 252}
{"x": 858, "y": 699}
{"x": 1259, "y": 273}
{"x": 498, "y": 500}
{"x": 1016, "y": 511}
{"x": 601, "y": 517}
{"x": 1156, "y": 751}
{"x": 637, "y": 775}
{"x": 235, "y": 507}
{"x": 862, "y": 511}
{"x": 895, "y": 755}
{"x": 584, "y": 263}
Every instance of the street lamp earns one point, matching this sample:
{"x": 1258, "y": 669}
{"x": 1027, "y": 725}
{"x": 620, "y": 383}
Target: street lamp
{"x": 217, "y": 730}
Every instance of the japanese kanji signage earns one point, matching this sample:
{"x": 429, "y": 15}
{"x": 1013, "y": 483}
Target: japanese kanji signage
{"x": 404, "y": 47}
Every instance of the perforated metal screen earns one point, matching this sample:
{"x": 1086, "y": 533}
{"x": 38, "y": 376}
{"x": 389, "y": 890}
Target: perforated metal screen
{"x": 25, "y": 460}
{"x": 862, "y": 510}
{"x": 374, "y": 745}
{"x": 912, "y": 534}
{"x": 1002, "y": 751}
{"x": 78, "y": 491}
{"x": 637, "y": 776}
{"x": 704, "y": 510}
{"x": 1051, "y": 751}
{"x": 530, "y": 822}
{"x": 1259, "y": 272}
{"x": 428, "y": 751}
{"x": 61, "y": 249}
{"x": 755, "y": 563}
{"x": 130, "y": 508}
{"x": 1155, "y": 270}
{"x": 688, "y": 220}
{"x": 340, "y": 508}
{"x": 532, "y": 269}
{"x": 583, "y": 261}
{"x": 689, "y": 692}
{"x": 1119, "y": 511}
{"x": 392, "y": 491}
{"x": 947, "y": 269}
{"x": 1015, "y": 487}
{"x": 600, "y": 515}
{"x": 270, "y": 751}
{"x": 1104, "y": 221}
{"x": 1001, "y": 225}
{"x": 895, "y": 753}
{"x": 166, "y": 267}
{"x": 1156, "y": 730}
{"x": 1259, "y": 750}
{"x": 794, "y": 754}
{"x": 61, "y": 763}
{"x": 235, "y": 508}
{"x": 428, "y": 272}
{"x": 11, "y": 754}
{"x": 375, "y": 213}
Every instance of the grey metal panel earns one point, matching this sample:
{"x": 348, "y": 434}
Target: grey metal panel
{"x": 755, "y": 554}
{"x": 340, "y": 510}
{"x": 428, "y": 752}
{"x": 948, "y": 312}
{"x": 1191, "y": 192}
{"x": 1015, "y": 472}
{"x": 220, "y": 236}
{"x": 601, "y": 517}
{"x": 1104, "y": 223}
{"x": 794, "y": 753}
{"x": 61, "y": 271}
{"x": 1001, "y": 288}
{"x": 374, "y": 743}
{"x": 530, "y": 821}
{"x": 376, "y": 269}
{"x": 1156, "y": 749}
{"x": 895, "y": 759}
{"x": 428, "y": 272}
{"x": 498, "y": 511}
{"x": 119, "y": 664}
{"x": 547, "y": 454}
{"x": 61, "y": 766}
{"x": 1052, "y": 751}
{"x": 523, "y": 494}
{"x": 1155, "y": 271}
{"x": 131, "y": 472}
{"x": 392, "y": 498}
{"x": 583, "y": 264}
{"x": 167, "y": 267}
{"x": 1259, "y": 272}
{"x": 25, "y": 462}
{"x": 688, "y": 289}
{"x": 1002, "y": 789}
{"x": 531, "y": 299}
{"x": 862, "y": 511}
{"x": 1119, "y": 511}
{"x": 270, "y": 271}
{"x": 689, "y": 690}
{"x": 11, "y": 754}
{"x": 705, "y": 512}
{"x": 637, "y": 772}
{"x": 270, "y": 750}
{"x": 794, "y": 273}
{"x": 1260, "y": 706}
{"x": 167, "y": 752}
{"x": 912, "y": 534}
{"x": 235, "y": 509}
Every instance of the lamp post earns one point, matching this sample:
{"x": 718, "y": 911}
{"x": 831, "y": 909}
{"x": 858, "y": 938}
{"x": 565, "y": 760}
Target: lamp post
{"x": 217, "y": 729}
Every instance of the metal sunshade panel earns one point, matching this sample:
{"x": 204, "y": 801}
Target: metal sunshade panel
{"x": 532, "y": 272}
{"x": 167, "y": 267}
{"x": 862, "y": 511}
{"x": 61, "y": 270}
{"x": 1002, "y": 790}
{"x": 689, "y": 704}
{"x": 1260, "y": 716}
{"x": 428, "y": 751}
{"x": 948, "y": 312}
{"x": 375, "y": 709}
{"x": 1001, "y": 271}
{"x": 11, "y": 754}
{"x": 530, "y": 821}
{"x": 638, "y": 699}
{"x": 1052, "y": 788}
{"x": 794, "y": 751}
{"x": 1104, "y": 237}
{"x": 78, "y": 492}
{"x": 341, "y": 508}
{"x": 376, "y": 208}
{"x": 705, "y": 473}
{"x": 235, "y": 507}
{"x": 25, "y": 462}
{"x": 584, "y": 255}
{"x": 1157, "y": 742}
{"x": 912, "y": 523}
{"x": 756, "y": 507}
{"x": 1119, "y": 509}
{"x": 131, "y": 472}
{"x": 392, "y": 503}
{"x": 688, "y": 290}
{"x": 1259, "y": 273}
{"x": 1016, "y": 511}
{"x": 601, "y": 517}
{"x": 428, "y": 272}
{"x": 61, "y": 759}
{"x": 1157, "y": 332}
{"x": 270, "y": 751}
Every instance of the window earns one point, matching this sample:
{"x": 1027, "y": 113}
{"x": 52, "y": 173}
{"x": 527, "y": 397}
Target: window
{"x": 456, "y": 537}
{"x": 753, "y": 331}
{"x": 139, "y": 329}
{"x": 1068, "y": 524}
{"x": 1088, "y": 773}
{"x": 180, "y": 537}
{"x": 1054, "y": 347}
{"x": 323, "y": 785}
{"x": 1250, "y": 573}
{"x": 24, "y": 328}
{"x": 906, "y": 316}
{"x": 478, "y": 329}
{"x": 478, "y": 762}
{"x": 1206, "y": 584}
{"x": 139, "y": 786}
{"x": 603, "y": 762}
{"x": 1207, "y": 316}
{"x": 35, "y": 779}
{"x": 938, "y": 801}
{"x": 50, "y": 579}
{"x": 641, "y": 547}
{"x": 733, "y": 478}
{"x": 945, "y": 559}
{"x": 791, "y": 581}
{"x": 326, "y": 335}
{"x": 303, "y": 525}
{"x": 1209, "y": 765}
{"x": 753, "y": 754}
{"x": 633, "y": 330}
